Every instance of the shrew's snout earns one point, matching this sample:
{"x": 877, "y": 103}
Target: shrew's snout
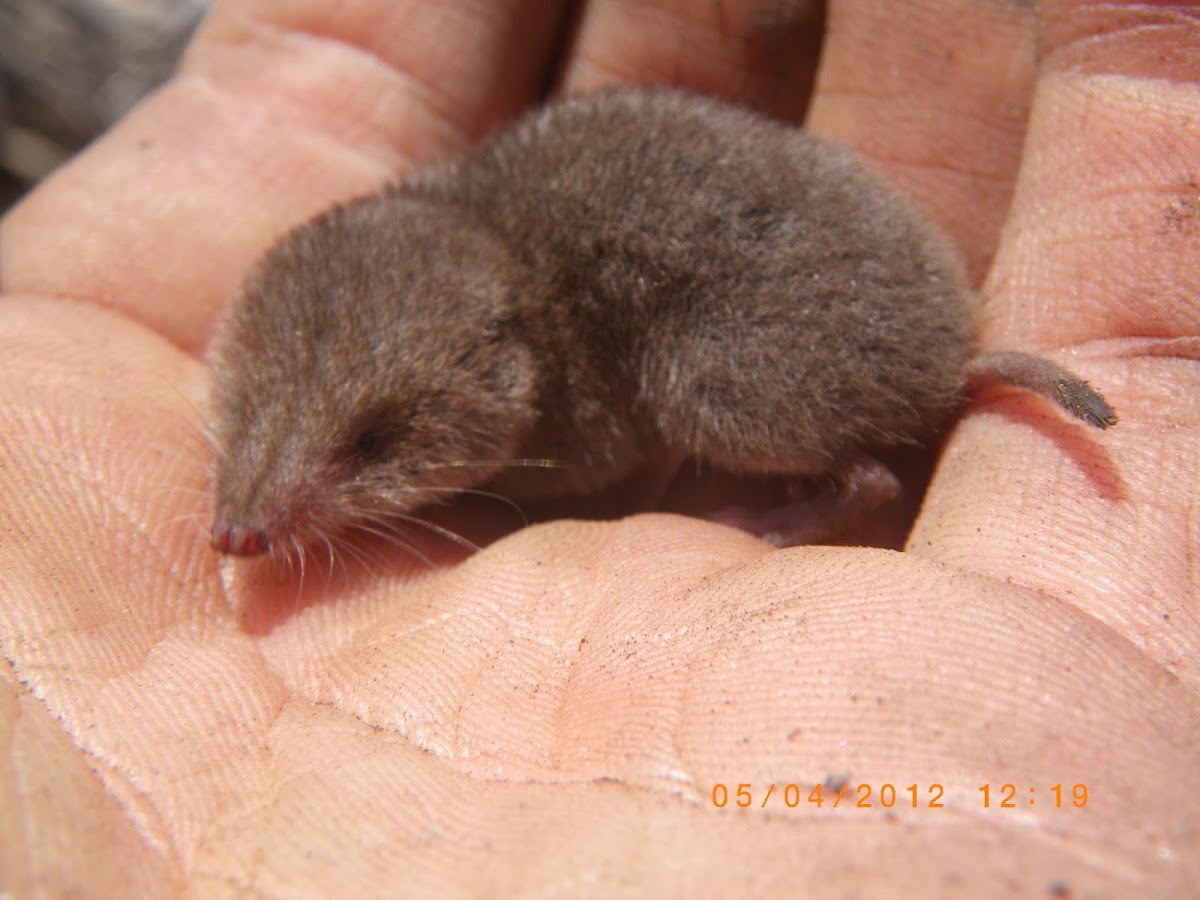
{"x": 238, "y": 539}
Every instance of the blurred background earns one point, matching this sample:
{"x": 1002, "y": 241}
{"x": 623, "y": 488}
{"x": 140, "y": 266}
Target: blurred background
{"x": 70, "y": 68}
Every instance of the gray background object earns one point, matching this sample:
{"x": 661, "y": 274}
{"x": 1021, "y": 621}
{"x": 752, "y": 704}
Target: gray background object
{"x": 70, "y": 68}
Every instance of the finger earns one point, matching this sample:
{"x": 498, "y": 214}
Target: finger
{"x": 1101, "y": 244}
{"x": 759, "y": 52}
{"x": 458, "y": 68}
{"x": 1110, "y": 188}
{"x": 938, "y": 97}
{"x": 277, "y": 111}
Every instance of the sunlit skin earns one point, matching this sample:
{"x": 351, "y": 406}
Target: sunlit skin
{"x": 552, "y": 713}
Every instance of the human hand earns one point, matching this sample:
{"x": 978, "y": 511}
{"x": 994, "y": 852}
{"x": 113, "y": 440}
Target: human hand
{"x": 552, "y": 713}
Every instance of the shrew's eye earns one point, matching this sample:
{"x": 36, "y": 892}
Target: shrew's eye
{"x": 367, "y": 443}
{"x": 372, "y": 436}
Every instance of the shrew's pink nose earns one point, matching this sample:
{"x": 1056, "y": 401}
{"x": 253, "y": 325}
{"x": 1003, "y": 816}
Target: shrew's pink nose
{"x": 238, "y": 540}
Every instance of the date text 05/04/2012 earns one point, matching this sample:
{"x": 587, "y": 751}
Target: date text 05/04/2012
{"x": 838, "y": 793}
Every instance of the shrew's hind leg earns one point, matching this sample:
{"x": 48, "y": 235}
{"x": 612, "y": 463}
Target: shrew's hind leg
{"x": 842, "y": 502}
{"x": 761, "y": 396}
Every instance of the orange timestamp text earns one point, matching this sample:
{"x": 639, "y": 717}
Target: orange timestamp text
{"x": 889, "y": 796}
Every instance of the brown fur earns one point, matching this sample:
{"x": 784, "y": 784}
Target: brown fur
{"x": 616, "y": 275}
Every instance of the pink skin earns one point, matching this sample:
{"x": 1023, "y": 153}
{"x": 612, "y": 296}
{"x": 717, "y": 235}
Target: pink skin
{"x": 557, "y": 711}
{"x": 237, "y": 540}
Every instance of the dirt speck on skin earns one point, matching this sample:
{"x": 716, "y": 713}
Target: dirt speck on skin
{"x": 835, "y": 783}
{"x": 1182, "y": 214}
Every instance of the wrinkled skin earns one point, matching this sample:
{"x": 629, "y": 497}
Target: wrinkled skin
{"x": 552, "y": 713}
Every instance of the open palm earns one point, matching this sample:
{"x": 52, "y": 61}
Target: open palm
{"x": 558, "y": 712}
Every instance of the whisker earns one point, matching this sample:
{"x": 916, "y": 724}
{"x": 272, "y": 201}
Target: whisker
{"x": 364, "y": 516}
{"x": 331, "y": 561}
{"x": 295, "y": 541}
{"x": 361, "y": 557}
{"x": 437, "y": 529}
{"x": 205, "y": 428}
{"x": 517, "y": 463}
{"x": 398, "y": 534}
{"x": 479, "y": 492}
{"x": 193, "y": 518}
{"x": 208, "y": 436}
{"x": 336, "y": 551}
{"x": 395, "y": 540}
